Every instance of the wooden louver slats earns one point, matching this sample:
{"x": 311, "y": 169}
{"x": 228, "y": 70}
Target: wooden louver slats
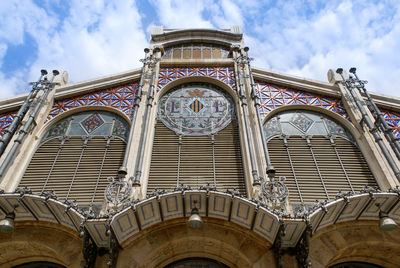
{"x": 87, "y": 172}
{"x": 328, "y": 163}
{"x": 196, "y": 168}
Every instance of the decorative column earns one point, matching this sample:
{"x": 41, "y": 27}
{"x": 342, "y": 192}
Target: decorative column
{"x": 21, "y": 146}
{"x": 376, "y": 150}
{"x": 242, "y": 92}
{"x": 273, "y": 191}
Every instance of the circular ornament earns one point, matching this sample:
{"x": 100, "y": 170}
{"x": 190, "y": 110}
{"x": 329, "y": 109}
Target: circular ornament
{"x": 196, "y": 109}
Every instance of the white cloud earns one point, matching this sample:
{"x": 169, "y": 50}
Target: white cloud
{"x": 306, "y": 38}
{"x": 344, "y": 34}
{"x": 180, "y": 14}
{"x": 95, "y": 38}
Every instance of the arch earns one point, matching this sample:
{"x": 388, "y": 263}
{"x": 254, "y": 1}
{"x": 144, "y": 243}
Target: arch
{"x": 76, "y": 110}
{"x": 202, "y": 79}
{"x": 349, "y": 126}
{"x": 355, "y": 264}
{"x": 171, "y": 241}
{"x": 76, "y": 155}
{"x": 39, "y": 264}
{"x": 355, "y": 241}
{"x": 196, "y": 261}
{"x": 40, "y": 241}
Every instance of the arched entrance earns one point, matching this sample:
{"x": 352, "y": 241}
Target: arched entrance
{"x": 196, "y": 262}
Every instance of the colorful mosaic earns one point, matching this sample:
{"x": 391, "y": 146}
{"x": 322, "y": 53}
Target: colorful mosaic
{"x": 393, "y": 120}
{"x": 58, "y": 129}
{"x": 120, "y": 98}
{"x": 89, "y": 123}
{"x": 273, "y": 96}
{"x": 5, "y": 121}
{"x": 303, "y": 122}
{"x": 196, "y": 109}
{"x": 92, "y": 123}
{"x": 224, "y": 74}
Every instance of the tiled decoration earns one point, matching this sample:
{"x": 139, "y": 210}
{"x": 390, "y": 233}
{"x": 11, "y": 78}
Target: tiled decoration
{"x": 273, "y": 96}
{"x": 93, "y": 122}
{"x": 121, "y": 98}
{"x": 224, "y": 74}
{"x": 393, "y": 120}
{"x": 5, "y": 121}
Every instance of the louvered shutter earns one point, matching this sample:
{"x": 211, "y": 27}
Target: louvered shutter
{"x": 297, "y": 164}
{"x": 196, "y": 168}
{"x": 65, "y": 172}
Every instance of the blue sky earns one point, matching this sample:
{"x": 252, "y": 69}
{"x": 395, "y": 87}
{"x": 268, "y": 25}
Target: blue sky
{"x": 94, "y": 38}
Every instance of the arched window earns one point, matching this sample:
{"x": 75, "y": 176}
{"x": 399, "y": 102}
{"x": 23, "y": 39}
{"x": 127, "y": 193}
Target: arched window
{"x": 196, "y": 51}
{"x": 196, "y": 140}
{"x": 317, "y": 155}
{"x": 76, "y": 155}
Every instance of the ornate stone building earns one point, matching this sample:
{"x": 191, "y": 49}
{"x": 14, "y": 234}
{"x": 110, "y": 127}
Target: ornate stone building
{"x": 199, "y": 160}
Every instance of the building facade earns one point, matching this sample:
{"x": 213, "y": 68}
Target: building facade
{"x": 200, "y": 160}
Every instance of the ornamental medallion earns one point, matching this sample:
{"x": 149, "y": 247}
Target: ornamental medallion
{"x": 196, "y": 109}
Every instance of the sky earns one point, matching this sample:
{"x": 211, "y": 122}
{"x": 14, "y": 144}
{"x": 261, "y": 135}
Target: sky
{"x": 94, "y": 38}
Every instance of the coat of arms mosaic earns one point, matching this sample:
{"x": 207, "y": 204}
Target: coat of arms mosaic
{"x": 196, "y": 109}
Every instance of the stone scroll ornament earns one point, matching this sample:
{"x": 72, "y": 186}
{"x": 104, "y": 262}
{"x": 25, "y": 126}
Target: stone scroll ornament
{"x": 196, "y": 110}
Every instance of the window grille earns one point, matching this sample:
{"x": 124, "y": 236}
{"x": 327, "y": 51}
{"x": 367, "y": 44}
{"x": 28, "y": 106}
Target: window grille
{"x": 77, "y": 155}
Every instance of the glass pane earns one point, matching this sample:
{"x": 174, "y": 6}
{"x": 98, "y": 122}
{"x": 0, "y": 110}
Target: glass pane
{"x": 187, "y": 53}
{"x": 196, "y": 109}
{"x": 303, "y": 122}
{"x": 167, "y": 53}
{"x": 58, "y": 129}
{"x": 272, "y": 128}
{"x": 76, "y": 130}
{"x": 177, "y": 53}
{"x": 216, "y": 53}
{"x": 196, "y": 53}
{"x": 206, "y": 53}
{"x": 224, "y": 53}
{"x": 90, "y": 123}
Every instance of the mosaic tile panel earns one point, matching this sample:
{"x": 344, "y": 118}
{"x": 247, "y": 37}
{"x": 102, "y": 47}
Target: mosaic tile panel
{"x": 5, "y": 121}
{"x": 393, "y": 120}
{"x": 273, "y": 96}
{"x": 224, "y": 74}
{"x": 120, "y": 98}
{"x": 92, "y": 123}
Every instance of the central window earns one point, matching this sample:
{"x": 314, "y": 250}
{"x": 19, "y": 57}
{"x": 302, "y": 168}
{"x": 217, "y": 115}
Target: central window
{"x": 196, "y": 141}
{"x": 196, "y": 110}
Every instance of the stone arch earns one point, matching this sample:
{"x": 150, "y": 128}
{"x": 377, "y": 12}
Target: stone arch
{"x": 349, "y": 126}
{"x": 222, "y": 241}
{"x": 201, "y": 79}
{"x": 72, "y": 111}
{"x": 360, "y": 241}
{"x": 40, "y": 241}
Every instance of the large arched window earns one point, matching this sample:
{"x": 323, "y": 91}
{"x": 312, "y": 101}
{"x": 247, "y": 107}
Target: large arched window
{"x": 76, "y": 155}
{"x": 317, "y": 155}
{"x": 196, "y": 140}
